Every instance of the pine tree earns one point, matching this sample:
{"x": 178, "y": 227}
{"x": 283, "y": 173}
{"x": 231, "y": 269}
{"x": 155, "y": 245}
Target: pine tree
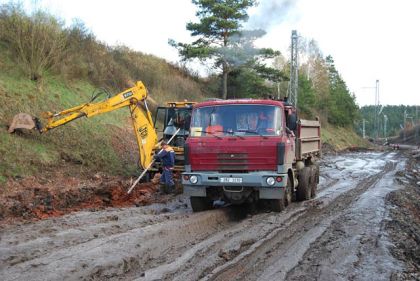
{"x": 222, "y": 41}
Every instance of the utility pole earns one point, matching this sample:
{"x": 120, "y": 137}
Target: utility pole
{"x": 294, "y": 74}
{"x": 417, "y": 126}
{"x": 385, "y": 121}
{"x": 376, "y": 125}
{"x": 364, "y": 126}
{"x": 405, "y": 118}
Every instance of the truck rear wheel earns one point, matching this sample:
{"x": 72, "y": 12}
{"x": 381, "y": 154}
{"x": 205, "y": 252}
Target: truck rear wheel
{"x": 304, "y": 189}
{"x": 199, "y": 204}
{"x": 314, "y": 180}
{"x": 288, "y": 195}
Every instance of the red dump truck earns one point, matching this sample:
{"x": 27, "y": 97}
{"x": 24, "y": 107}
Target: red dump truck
{"x": 250, "y": 150}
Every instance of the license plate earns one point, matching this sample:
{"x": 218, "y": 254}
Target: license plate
{"x": 231, "y": 180}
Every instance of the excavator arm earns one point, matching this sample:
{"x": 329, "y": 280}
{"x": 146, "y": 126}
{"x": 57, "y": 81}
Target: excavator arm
{"x": 134, "y": 98}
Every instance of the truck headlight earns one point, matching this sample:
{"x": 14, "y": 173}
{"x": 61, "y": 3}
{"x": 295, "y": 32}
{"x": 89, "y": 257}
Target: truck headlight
{"x": 270, "y": 181}
{"x": 193, "y": 179}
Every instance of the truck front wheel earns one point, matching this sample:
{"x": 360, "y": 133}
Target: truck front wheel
{"x": 276, "y": 205}
{"x": 199, "y": 204}
{"x": 304, "y": 189}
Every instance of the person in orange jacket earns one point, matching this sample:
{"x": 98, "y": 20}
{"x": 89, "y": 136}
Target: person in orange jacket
{"x": 167, "y": 156}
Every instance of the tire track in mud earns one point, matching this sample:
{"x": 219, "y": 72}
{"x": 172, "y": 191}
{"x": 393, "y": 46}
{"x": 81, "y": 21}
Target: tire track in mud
{"x": 23, "y": 242}
{"x": 215, "y": 245}
{"x": 221, "y": 247}
{"x": 273, "y": 258}
{"x": 113, "y": 255}
{"x": 355, "y": 246}
{"x": 218, "y": 254}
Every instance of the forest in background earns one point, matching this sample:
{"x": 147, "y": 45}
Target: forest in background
{"x": 392, "y": 119}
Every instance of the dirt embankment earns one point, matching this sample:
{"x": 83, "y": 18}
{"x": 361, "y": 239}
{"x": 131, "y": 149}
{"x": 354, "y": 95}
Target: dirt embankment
{"x": 404, "y": 225}
{"x": 38, "y": 198}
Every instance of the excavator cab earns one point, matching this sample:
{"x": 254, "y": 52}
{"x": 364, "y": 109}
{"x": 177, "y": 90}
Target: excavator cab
{"x": 168, "y": 119}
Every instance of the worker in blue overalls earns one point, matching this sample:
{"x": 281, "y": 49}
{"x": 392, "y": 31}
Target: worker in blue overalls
{"x": 167, "y": 156}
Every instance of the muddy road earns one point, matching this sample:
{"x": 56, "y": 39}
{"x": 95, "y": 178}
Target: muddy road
{"x": 339, "y": 235}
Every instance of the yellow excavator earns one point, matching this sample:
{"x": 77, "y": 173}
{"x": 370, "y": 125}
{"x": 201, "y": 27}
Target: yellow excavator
{"x": 174, "y": 115}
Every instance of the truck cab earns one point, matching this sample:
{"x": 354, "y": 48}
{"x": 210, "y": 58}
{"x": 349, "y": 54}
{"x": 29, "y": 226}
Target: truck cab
{"x": 242, "y": 151}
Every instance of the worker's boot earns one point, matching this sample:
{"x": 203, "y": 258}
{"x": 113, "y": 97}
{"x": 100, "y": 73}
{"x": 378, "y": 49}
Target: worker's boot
{"x": 167, "y": 188}
{"x": 172, "y": 189}
{"x": 162, "y": 188}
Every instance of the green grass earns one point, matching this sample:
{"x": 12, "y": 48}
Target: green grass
{"x": 86, "y": 142}
{"x": 3, "y": 179}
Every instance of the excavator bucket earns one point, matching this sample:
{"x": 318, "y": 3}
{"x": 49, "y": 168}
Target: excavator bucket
{"x": 22, "y": 121}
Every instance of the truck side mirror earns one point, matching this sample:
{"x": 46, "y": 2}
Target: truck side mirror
{"x": 292, "y": 121}
{"x": 289, "y": 132}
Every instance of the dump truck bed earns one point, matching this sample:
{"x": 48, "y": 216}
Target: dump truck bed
{"x": 308, "y": 141}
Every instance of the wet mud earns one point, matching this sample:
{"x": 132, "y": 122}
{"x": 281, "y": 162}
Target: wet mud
{"x": 32, "y": 199}
{"x": 342, "y": 234}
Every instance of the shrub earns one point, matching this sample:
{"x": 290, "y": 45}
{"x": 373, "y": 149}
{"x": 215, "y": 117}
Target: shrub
{"x": 37, "y": 41}
{"x": 41, "y": 43}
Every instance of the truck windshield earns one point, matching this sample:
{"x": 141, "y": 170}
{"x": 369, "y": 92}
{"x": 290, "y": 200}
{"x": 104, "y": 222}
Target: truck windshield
{"x": 239, "y": 120}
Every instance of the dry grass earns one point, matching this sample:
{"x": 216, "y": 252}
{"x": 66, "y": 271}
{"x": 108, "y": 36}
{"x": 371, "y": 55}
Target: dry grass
{"x": 341, "y": 138}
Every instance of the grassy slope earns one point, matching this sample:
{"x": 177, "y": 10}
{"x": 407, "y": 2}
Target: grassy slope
{"x": 79, "y": 141}
{"x": 103, "y": 143}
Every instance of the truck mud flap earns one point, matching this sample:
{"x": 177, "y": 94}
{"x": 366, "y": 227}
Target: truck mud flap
{"x": 196, "y": 191}
{"x": 271, "y": 193}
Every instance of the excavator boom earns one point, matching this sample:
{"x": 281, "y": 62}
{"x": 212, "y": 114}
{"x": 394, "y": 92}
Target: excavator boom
{"x": 133, "y": 98}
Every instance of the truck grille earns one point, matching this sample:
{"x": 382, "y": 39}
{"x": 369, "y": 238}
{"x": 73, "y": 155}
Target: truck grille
{"x": 253, "y": 154}
{"x": 232, "y": 161}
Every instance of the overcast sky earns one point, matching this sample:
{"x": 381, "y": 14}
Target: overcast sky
{"x": 368, "y": 39}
